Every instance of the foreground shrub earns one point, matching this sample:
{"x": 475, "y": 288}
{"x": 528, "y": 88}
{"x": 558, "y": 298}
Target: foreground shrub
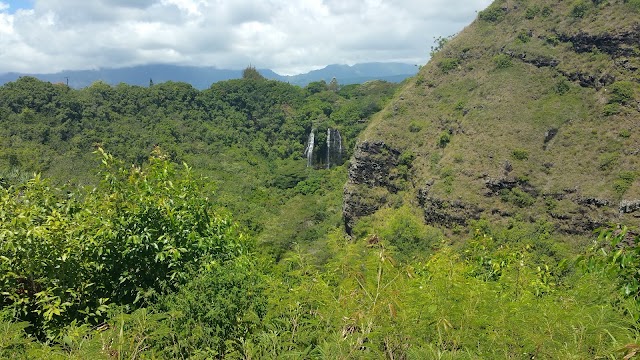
{"x": 67, "y": 256}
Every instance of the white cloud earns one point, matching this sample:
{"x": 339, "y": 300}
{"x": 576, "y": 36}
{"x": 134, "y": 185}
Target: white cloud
{"x": 286, "y": 35}
{"x": 4, "y": 6}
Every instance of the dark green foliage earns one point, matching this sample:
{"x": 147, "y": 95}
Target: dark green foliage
{"x": 561, "y": 87}
{"x": 635, "y": 4}
{"x": 517, "y": 197}
{"x": 624, "y": 181}
{"x": 524, "y": 37}
{"x": 531, "y": 12}
{"x": 250, "y": 73}
{"x": 415, "y": 127}
{"x": 502, "y": 61}
{"x": 520, "y": 154}
{"x": 70, "y": 257}
{"x": 444, "y": 139}
{"x": 494, "y": 13}
{"x": 213, "y": 311}
{"x": 448, "y": 64}
{"x": 580, "y": 8}
{"x": 611, "y": 109}
{"x": 621, "y": 92}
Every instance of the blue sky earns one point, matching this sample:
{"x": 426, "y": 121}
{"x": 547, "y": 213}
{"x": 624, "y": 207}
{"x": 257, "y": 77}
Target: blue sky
{"x": 288, "y": 36}
{"x": 14, "y": 5}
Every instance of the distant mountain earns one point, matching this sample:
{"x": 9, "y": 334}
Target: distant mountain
{"x": 203, "y": 77}
{"x": 356, "y": 74}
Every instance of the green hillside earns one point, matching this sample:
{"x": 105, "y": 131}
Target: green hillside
{"x": 531, "y": 112}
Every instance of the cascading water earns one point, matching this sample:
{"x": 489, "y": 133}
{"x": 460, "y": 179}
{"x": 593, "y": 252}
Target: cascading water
{"x": 334, "y": 147}
{"x": 308, "y": 151}
{"x": 328, "y": 148}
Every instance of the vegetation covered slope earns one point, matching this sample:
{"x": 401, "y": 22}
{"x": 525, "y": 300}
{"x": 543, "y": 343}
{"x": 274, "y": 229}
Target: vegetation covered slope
{"x": 531, "y": 113}
{"x": 247, "y": 136}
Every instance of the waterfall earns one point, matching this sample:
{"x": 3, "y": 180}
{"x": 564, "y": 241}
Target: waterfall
{"x": 308, "y": 151}
{"x": 328, "y": 148}
{"x": 334, "y": 147}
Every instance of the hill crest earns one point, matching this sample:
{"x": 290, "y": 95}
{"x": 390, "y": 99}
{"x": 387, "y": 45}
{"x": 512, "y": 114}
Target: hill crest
{"x": 530, "y": 113}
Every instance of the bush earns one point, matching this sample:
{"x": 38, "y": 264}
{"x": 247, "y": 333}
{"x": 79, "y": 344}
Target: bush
{"x": 561, "y": 87}
{"x": 621, "y": 92}
{"x": 140, "y": 233}
{"x": 611, "y": 109}
{"x": 520, "y": 154}
{"x": 623, "y": 182}
{"x": 517, "y": 197}
{"x": 444, "y": 139}
{"x": 492, "y": 14}
{"x": 579, "y": 9}
{"x": 531, "y": 12}
{"x": 524, "y": 37}
{"x": 502, "y": 61}
{"x": 553, "y": 40}
{"x": 448, "y": 64}
{"x": 415, "y": 127}
{"x": 635, "y": 4}
{"x": 607, "y": 161}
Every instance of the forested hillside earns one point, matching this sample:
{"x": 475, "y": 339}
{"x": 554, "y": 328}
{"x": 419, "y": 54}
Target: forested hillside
{"x": 482, "y": 206}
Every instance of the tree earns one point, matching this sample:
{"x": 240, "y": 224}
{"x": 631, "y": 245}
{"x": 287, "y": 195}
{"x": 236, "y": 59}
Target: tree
{"x": 333, "y": 85}
{"x": 250, "y": 73}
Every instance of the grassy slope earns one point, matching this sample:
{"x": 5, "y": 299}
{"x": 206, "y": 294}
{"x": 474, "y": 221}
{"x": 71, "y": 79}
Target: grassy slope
{"x": 492, "y": 112}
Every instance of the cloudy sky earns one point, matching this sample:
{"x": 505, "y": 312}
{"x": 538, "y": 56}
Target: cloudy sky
{"x": 288, "y": 36}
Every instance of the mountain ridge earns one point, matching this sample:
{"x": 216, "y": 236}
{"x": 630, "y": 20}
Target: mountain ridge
{"x": 203, "y": 77}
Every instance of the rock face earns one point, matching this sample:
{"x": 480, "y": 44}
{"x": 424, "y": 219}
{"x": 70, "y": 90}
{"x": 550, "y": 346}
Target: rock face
{"x": 444, "y": 212}
{"x": 614, "y": 44}
{"x": 371, "y": 180}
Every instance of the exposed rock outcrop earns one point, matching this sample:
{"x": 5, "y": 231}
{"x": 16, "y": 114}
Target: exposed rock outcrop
{"x": 614, "y": 44}
{"x": 371, "y": 179}
{"x": 629, "y": 206}
{"x": 445, "y": 212}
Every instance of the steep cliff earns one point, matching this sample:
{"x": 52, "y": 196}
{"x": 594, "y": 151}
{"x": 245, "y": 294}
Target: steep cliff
{"x": 532, "y": 112}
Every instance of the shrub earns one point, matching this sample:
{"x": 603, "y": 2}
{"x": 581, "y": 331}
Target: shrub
{"x": 502, "y": 61}
{"x": 517, "y": 197}
{"x": 415, "y": 127}
{"x": 406, "y": 158}
{"x": 524, "y": 37}
{"x": 621, "y": 92}
{"x": 579, "y": 9}
{"x": 546, "y": 11}
{"x": 444, "y": 139}
{"x": 634, "y": 4}
{"x": 448, "y": 64}
{"x": 493, "y": 14}
{"x": 137, "y": 235}
{"x": 553, "y": 40}
{"x": 520, "y": 154}
{"x": 607, "y": 161}
{"x": 623, "y": 182}
{"x": 561, "y": 87}
{"x": 611, "y": 109}
{"x": 531, "y": 12}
